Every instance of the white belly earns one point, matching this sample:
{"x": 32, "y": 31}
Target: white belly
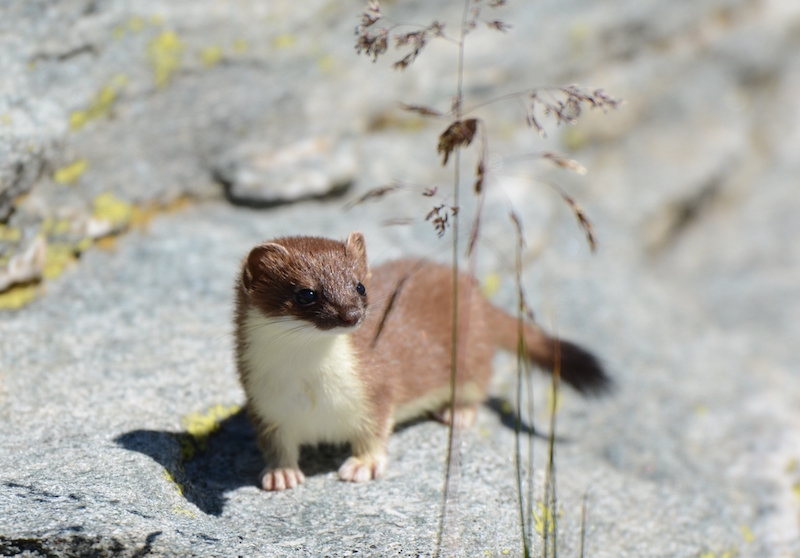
{"x": 303, "y": 381}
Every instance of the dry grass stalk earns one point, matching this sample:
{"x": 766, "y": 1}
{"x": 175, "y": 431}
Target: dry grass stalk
{"x": 564, "y": 162}
{"x": 583, "y": 521}
{"x": 550, "y": 499}
{"x": 583, "y": 220}
{"x": 374, "y": 194}
{"x": 422, "y": 110}
{"x": 525, "y": 504}
{"x": 561, "y": 161}
{"x": 398, "y": 221}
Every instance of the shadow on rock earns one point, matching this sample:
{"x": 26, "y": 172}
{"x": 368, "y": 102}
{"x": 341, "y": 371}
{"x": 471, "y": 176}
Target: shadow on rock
{"x": 508, "y": 416}
{"x": 206, "y": 469}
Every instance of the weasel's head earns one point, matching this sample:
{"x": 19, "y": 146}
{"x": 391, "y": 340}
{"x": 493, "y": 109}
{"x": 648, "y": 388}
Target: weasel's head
{"x": 316, "y": 280}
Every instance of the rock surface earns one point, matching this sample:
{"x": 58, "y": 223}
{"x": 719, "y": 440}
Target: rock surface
{"x": 261, "y": 175}
{"x": 121, "y": 428}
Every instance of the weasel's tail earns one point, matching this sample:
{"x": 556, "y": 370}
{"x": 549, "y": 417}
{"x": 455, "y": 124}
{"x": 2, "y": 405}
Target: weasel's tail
{"x": 579, "y": 368}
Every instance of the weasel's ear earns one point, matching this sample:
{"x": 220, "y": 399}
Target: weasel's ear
{"x": 258, "y": 258}
{"x": 356, "y": 247}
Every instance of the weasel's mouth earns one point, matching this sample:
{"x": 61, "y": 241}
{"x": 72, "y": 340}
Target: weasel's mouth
{"x": 347, "y": 320}
{"x": 341, "y": 326}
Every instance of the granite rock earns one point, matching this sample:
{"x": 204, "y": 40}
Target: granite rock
{"x": 122, "y": 431}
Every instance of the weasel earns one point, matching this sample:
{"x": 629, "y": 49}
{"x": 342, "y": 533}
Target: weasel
{"x": 316, "y": 366}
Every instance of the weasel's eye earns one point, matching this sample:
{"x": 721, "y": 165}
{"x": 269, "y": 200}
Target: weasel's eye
{"x": 360, "y": 289}
{"x": 306, "y": 296}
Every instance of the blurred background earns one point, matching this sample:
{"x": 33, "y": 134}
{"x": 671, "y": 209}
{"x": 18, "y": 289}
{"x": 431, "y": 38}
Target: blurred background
{"x": 107, "y": 110}
{"x": 110, "y": 110}
{"x": 144, "y": 146}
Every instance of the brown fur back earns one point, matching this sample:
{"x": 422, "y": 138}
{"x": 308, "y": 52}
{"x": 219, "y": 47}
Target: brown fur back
{"x": 413, "y": 352}
{"x": 412, "y": 356}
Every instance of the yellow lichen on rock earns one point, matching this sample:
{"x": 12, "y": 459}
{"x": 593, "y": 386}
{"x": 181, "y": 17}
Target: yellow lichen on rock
{"x": 71, "y": 173}
{"x": 199, "y": 426}
{"x": 286, "y": 40}
{"x": 141, "y": 215}
{"x": 101, "y": 105}
{"x": 17, "y": 297}
{"x": 491, "y": 284}
{"x": 326, "y": 63}
{"x": 59, "y": 256}
{"x": 136, "y": 24}
{"x": 47, "y": 226}
{"x": 183, "y": 511}
{"x": 108, "y": 207}
{"x": 165, "y": 53}
{"x": 62, "y": 226}
{"x": 211, "y": 55}
{"x": 700, "y": 410}
{"x": 83, "y": 244}
{"x": 543, "y": 519}
{"x": 202, "y": 425}
{"x": 78, "y": 119}
{"x": 169, "y": 477}
{"x": 9, "y": 234}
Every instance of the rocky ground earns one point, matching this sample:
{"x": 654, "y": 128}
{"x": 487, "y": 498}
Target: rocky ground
{"x": 144, "y": 147}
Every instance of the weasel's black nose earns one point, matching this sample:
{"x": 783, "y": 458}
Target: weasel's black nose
{"x": 351, "y": 317}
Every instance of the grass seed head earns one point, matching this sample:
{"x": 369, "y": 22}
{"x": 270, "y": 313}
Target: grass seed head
{"x": 459, "y": 133}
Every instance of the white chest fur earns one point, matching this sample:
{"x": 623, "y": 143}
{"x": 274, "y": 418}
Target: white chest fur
{"x": 302, "y": 380}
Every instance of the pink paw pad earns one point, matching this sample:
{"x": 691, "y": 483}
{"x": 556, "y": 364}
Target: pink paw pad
{"x": 282, "y": 478}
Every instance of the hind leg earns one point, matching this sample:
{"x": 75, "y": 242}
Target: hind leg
{"x": 461, "y": 417}
{"x": 473, "y": 378}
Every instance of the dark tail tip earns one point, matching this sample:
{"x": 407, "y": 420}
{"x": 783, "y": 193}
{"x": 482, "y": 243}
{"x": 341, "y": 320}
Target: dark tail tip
{"x": 583, "y": 371}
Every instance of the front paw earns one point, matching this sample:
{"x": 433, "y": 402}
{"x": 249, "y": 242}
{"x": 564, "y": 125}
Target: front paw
{"x": 363, "y": 469}
{"x": 281, "y": 478}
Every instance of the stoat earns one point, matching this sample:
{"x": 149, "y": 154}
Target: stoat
{"x": 321, "y": 360}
